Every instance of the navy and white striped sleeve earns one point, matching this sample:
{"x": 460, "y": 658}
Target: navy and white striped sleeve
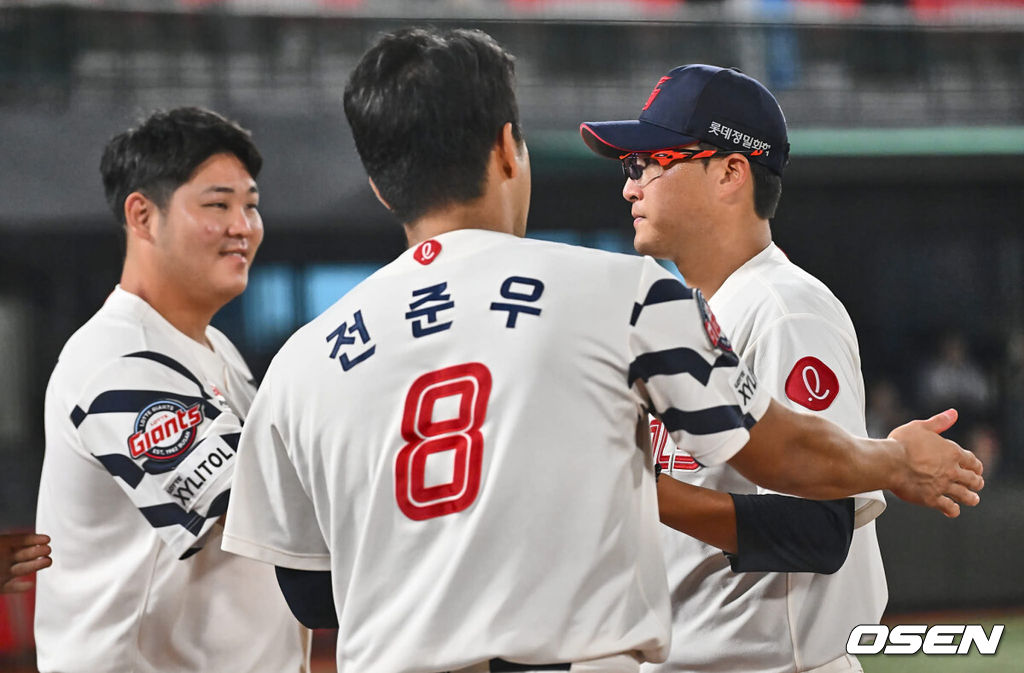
{"x": 165, "y": 441}
{"x": 684, "y": 370}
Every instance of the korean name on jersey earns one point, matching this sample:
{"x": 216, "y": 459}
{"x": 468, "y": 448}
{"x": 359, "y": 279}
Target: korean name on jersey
{"x": 457, "y": 441}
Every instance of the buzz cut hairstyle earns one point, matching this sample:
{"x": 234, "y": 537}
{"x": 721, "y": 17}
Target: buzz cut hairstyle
{"x": 163, "y": 152}
{"x": 426, "y": 108}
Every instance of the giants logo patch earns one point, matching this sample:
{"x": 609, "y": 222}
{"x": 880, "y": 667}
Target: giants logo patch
{"x": 164, "y": 430}
{"x": 427, "y": 252}
{"x": 812, "y": 384}
{"x": 711, "y": 328}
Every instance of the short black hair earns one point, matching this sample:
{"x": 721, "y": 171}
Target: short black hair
{"x": 426, "y": 107}
{"x": 767, "y": 190}
{"x": 767, "y": 184}
{"x": 162, "y": 153}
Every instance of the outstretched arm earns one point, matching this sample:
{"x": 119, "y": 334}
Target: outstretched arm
{"x": 808, "y": 456}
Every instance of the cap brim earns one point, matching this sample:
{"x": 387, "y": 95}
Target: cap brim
{"x": 613, "y": 139}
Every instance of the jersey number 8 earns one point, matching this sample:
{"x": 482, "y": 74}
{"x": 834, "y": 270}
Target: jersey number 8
{"x": 455, "y": 438}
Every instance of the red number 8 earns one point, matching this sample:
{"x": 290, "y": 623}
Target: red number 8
{"x": 471, "y": 383}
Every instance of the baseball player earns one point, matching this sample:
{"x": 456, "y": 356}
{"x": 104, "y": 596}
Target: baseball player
{"x": 22, "y": 554}
{"x": 134, "y": 483}
{"x": 461, "y": 441}
{"x": 715, "y": 140}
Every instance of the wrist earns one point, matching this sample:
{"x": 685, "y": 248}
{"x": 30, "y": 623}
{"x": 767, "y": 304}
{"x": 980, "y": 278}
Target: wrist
{"x": 895, "y": 474}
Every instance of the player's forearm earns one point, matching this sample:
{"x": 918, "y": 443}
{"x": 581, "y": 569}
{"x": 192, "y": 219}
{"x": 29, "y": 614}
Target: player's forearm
{"x": 811, "y": 457}
{"x": 834, "y": 464}
{"x": 707, "y": 515}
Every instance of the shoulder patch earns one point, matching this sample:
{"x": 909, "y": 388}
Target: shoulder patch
{"x": 812, "y": 384}
{"x": 711, "y": 328}
{"x": 165, "y": 429}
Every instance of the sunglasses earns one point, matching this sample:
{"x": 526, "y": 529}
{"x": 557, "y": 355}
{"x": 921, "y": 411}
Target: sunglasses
{"x": 644, "y": 167}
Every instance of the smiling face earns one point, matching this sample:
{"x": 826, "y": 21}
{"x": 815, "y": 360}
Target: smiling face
{"x": 206, "y": 237}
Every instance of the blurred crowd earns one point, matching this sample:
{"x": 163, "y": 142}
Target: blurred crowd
{"x": 986, "y": 386}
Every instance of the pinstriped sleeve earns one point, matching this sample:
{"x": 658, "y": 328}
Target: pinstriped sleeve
{"x": 684, "y": 370}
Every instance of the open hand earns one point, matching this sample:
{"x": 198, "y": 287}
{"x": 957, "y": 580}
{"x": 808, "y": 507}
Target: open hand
{"x": 938, "y": 472}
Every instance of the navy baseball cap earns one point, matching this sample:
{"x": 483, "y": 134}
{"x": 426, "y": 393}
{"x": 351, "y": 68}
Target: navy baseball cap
{"x": 695, "y": 103}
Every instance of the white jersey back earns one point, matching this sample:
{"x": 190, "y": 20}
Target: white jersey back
{"x": 800, "y": 343}
{"x": 132, "y": 485}
{"x": 457, "y": 441}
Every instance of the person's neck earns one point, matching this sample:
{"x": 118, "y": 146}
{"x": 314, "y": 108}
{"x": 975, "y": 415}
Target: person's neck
{"x": 707, "y": 267}
{"x": 478, "y": 214}
{"x": 175, "y": 307}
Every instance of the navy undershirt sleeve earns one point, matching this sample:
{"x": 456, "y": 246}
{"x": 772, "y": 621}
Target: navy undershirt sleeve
{"x": 309, "y": 596}
{"x": 778, "y": 533}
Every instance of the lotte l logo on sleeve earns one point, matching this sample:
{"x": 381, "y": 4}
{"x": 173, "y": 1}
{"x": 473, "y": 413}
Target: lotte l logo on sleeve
{"x": 812, "y": 384}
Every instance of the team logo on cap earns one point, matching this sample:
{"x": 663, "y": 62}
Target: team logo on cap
{"x": 654, "y": 94}
{"x": 164, "y": 430}
{"x": 812, "y": 384}
{"x": 427, "y": 252}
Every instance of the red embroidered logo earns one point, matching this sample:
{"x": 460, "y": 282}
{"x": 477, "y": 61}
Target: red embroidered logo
{"x": 665, "y": 452}
{"x": 812, "y": 384}
{"x": 654, "y": 94}
{"x": 711, "y": 327}
{"x": 427, "y": 252}
{"x": 165, "y": 429}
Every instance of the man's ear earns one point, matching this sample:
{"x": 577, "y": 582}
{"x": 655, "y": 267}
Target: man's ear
{"x": 376, "y": 192}
{"x": 140, "y": 216}
{"x": 508, "y": 151}
{"x": 736, "y": 173}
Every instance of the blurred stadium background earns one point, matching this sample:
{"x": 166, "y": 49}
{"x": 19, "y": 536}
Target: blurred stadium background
{"x": 905, "y": 195}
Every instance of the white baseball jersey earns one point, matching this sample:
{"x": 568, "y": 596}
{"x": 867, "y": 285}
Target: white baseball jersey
{"x": 462, "y": 440}
{"x": 132, "y": 486}
{"x": 800, "y": 343}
